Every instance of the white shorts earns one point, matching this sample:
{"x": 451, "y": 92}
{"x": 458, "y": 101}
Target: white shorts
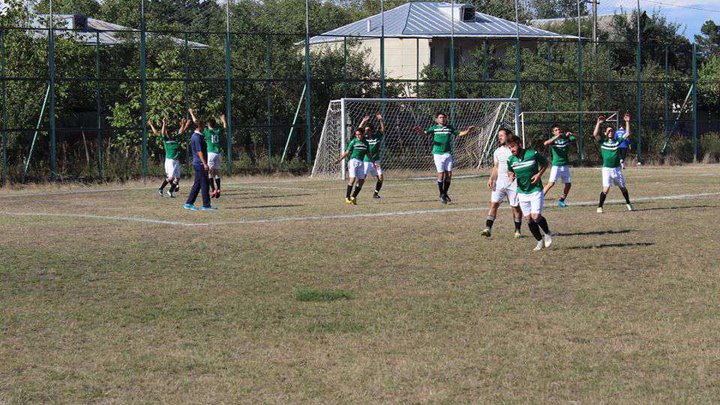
{"x": 214, "y": 161}
{"x": 612, "y": 176}
{"x": 371, "y": 169}
{"x": 356, "y": 168}
{"x": 532, "y": 203}
{"x": 505, "y": 190}
{"x": 444, "y": 162}
{"x": 172, "y": 168}
{"x": 561, "y": 172}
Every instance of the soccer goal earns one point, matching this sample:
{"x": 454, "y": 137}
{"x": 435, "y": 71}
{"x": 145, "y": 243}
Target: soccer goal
{"x": 404, "y": 153}
{"x": 537, "y": 124}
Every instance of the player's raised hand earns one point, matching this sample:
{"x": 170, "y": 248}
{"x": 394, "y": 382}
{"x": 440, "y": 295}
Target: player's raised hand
{"x": 601, "y": 119}
{"x": 471, "y": 129}
{"x": 627, "y": 117}
{"x": 379, "y": 116}
{"x": 418, "y": 129}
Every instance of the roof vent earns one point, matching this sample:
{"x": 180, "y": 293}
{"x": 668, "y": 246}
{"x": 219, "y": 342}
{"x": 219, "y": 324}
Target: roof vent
{"x": 468, "y": 12}
{"x": 80, "y": 22}
{"x": 369, "y": 25}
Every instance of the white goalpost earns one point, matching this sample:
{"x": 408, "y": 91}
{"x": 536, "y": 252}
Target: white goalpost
{"x": 403, "y": 152}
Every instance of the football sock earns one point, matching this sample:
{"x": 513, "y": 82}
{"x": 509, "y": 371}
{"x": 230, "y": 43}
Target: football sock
{"x": 349, "y": 190}
{"x": 489, "y": 221}
{"x": 217, "y": 180}
{"x": 441, "y": 187}
{"x": 518, "y": 224}
{"x": 212, "y": 183}
{"x": 625, "y": 194}
{"x": 534, "y": 229}
{"x": 358, "y": 187}
{"x": 447, "y": 185}
{"x": 165, "y": 183}
{"x": 172, "y": 187}
{"x": 563, "y": 197}
{"x": 543, "y": 225}
{"x": 378, "y": 186}
{"x": 602, "y": 199}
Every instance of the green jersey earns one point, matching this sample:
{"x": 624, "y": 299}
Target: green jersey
{"x": 212, "y": 139}
{"x": 525, "y": 167}
{"x": 373, "y": 154}
{"x": 560, "y": 148}
{"x": 171, "y": 148}
{"x": 442, "y": 138}
{"x": 609, "y": 151}
{"x": 358, "y": 149}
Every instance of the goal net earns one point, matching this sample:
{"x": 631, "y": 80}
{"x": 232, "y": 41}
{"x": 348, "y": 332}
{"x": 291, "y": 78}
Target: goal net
{"x": 536, "y": 126}
{"x": 403, "y": 151}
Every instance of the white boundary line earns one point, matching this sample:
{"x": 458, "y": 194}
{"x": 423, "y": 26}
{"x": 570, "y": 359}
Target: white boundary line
{"x": 328, "y": 217}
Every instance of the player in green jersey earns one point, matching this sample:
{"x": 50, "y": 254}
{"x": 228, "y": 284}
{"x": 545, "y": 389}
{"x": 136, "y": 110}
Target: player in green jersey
{"x": 372, "y": 159}
{"x": 527, "y": 167}
{"x": 356, "y": 149}
{"x": 559, "y": 144}
{"x": 172, "y": 149}
{"x": 612, "y": 168}
{"x": 443, "y": 135}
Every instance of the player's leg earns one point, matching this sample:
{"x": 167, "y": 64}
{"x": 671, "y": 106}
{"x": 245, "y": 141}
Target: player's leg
{"x": 448, "y": 177}
{"x": 537, "y": 206}
{"x": 492, "y": 213}
{"x": 360, "y": 173}
{"x": 551, "y": 180}
{"x": 620, "y": 182}
{"x": 195, "y": 189}
{"x": 440, "y": 167}
{"x": 380, "y": 179}
{"x": 622, "y": 153}
{"x": 525, "y": 207}
{"x": 606, "y": 181}
{"x": 512, "y": 195}
{"x": 567, "y": 180}
{"x": 216, "y": 174}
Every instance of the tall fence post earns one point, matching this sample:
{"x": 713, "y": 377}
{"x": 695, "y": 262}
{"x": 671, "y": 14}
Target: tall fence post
{"x": 382, "y": 48}
{"x": 228, "y": 91}
{"x": 666, "y": 114}
{"x": 638, "y": 67}
{"x": 308, "y": 108}
{"x": 186, "y": 97}
{"x": 452, "y": 52}
{"x": 581, "y": 143}
{"x": 4, "y": 108}
{"x": 268, "y": 95}
{"x": 695, "y": 103}
{"x": 143, "y": 91}
{"x": 51, "y": 67}
{"x": 98, "y": 105}
{"x": 345, "y": 61}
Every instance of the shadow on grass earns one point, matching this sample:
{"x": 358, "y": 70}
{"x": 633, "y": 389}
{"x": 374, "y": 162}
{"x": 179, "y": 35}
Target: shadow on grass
{"x": 258, "y": 197}
{"x": 254, "y": 207}
{"x": 609, "y": 245}
{"x": 308, "y": 295}
{"x": 590, "y": 233}
{"x": 684, "y": 207}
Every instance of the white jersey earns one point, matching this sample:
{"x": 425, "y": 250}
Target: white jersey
{"x": 500, "y": 158}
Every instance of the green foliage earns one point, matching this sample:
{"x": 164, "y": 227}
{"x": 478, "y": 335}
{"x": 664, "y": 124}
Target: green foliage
{"x": 709, "y": 40}
{"x": 709, "y": 82}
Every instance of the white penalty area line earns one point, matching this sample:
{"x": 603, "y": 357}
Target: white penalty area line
{"x": 329, "y": 217}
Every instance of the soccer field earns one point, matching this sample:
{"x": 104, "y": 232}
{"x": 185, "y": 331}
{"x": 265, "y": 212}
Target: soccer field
{"x": 286, "y": 294}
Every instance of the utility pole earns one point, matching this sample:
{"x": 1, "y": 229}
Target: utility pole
{"x": 594, "y": 24}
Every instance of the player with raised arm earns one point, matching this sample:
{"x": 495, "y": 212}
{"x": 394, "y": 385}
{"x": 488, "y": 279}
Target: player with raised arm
{"x": 559, "y": 144}
{"x": 372, "y": 158}
{"x": 612, "y": 169}
{"x": 357, "y": 149}
{"x": 527, "y": 167}
{"x": 212, "y": 136}
{"x": 443, "y": 134}
{"x": 502, "y": 186}
{"x": 172, "y": 164}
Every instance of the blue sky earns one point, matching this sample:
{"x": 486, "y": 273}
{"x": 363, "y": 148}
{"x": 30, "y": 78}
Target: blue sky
{"x": 690, "y": 13}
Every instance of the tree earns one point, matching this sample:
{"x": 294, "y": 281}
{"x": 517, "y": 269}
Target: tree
{"x": 709, "y": 40}
{"x": 557, "y": 8}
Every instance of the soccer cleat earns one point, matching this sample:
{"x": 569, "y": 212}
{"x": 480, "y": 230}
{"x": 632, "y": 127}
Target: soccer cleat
{"x": 548, "y": 240}
{"x": 443, "y": 199}
{"x": 160, "y": 192}
{"x": 190, "y": 207}
{"x": 600, "y": 210}
{"x": 447, "y": 197}
{"x": 630, "y": 207}
{"x": 376, "y": 196}
{"x": 354, "y": 200}
{"x": 517, "y": 235}
{"x": 562, "y": 204}
{"x": 539, "y": 246}
{"x": 171, "y": 194}
{"x": 213, "y": 194}
{"x": 348, "y": 200}
{"x": 209, "y": 208}
{"x": 485, "y": 232}
{"x": 217, "y": 193}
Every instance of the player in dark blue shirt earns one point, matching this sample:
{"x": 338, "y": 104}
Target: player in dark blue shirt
{"x": 623, "y": 146}
{"x": 198, "y": 149}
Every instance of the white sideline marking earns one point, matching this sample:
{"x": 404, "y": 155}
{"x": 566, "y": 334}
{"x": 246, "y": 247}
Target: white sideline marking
{"x": 330, "y": 217}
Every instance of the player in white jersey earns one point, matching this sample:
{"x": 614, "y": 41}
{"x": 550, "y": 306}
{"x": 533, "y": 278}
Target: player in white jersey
{"x": 502, "y": 187}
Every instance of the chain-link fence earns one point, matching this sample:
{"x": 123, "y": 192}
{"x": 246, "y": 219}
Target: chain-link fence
{"x": 78, "y": 92}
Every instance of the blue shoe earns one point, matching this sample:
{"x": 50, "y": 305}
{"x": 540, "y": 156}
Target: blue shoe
{"x": 190, "y": 207}
{"x": 210, "y": 208}
{"x": 160, "y": 192}
{"x": 562, "y": 204}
